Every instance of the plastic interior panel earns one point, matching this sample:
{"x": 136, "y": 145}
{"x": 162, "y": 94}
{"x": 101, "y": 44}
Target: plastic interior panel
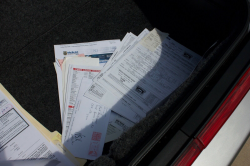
{"x": 219, "y": 90}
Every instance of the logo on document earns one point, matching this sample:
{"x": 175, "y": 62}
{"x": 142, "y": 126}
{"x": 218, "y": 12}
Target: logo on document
{"x": 140, "y": 90}
{"x": 70, "y": 53}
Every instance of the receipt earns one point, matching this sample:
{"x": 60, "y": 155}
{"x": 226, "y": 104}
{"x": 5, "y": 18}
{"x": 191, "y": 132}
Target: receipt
{"x": 77, "y": 77}
{"x": 142, "y": 78}
{"x": 89, "y": 121}
{"x": 114, "y": 130}
{"x": 67, "y": 86}
{"x": 88, "y": 127}
{"x": 101, "y": 95}
{"x": 90, "y": 130}
{"x": 99, "y": 48}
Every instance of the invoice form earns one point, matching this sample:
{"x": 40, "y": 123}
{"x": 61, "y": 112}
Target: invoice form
{"x": 89, "y": 121}
{"x": 117, "y": 123}
{"x": 75, "y": 80}
{"x": 146, "y": 75}
{"x": 106, "y": 47}
{"x": 66, "y": 89}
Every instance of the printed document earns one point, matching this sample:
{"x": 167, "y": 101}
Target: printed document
{"x": 117, "y": 126}
{"x": 77, "y": 77}
{"x": 106, "y": 48}
{"x": 102, "y": 49}
{"x": 88, "y": 142}
{"x": 128, "y": 42}
{"x": 88, "y": 117}
{"x": 84, "y": 75}
{"x": 20, "y": 140}
{"x": 88, "y": 126}
{"x": 65, "y": 77}
{"x": 144, "y": 76}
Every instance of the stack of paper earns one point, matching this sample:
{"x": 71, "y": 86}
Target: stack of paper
{"x": 24, "y": 138}
{"x": 106, "y": 87}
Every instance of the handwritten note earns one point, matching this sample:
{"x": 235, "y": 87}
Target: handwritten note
{"x": 89, "y": 121}
{"x": 88, "y": 130}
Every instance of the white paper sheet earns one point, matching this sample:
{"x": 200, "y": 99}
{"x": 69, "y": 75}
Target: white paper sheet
{"x": 59, "y": 86}
{"x": 112, "y": 133}
{"x": 99, "y": 94}
{"x": 66, "y": 87}
{"x": 85, "y": 76}
{"x": 129, "y": 41}
{"x": 120, "y": 122}
{"x": 88, "y": 48}
{"x": 117, "y": 126}
{"x": 116, "y": 52}
{"x": 146, "y": 75}
{"x": 129, "y": 44}
{"x": 77, "y": 77}
{"x": 106, "y": 48}
{"x": 20, "y": 140}
{"x": 88, "y": 129}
